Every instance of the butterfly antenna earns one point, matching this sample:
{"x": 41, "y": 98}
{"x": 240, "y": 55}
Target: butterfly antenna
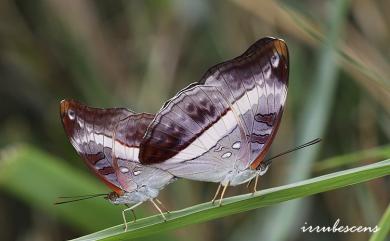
{"x": 83, "y": 196}
{"x": 79, "y": 198}
{"x": 312, "y": 142}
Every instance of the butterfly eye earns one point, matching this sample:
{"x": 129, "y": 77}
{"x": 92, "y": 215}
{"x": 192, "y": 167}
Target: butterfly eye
{"x": 71, "y": 114}
{"x": 112, "y": 196}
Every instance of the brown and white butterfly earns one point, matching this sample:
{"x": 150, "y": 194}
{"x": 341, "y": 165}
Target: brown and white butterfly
{"x": 221, "y": 128}
{"x": 216, "y": 130}
{"x": 108, "y": 140}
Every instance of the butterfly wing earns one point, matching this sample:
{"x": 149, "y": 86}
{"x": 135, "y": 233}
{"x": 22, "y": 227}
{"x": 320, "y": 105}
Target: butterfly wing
{"x": 227, "y": 119}
{"x": 90, "y": 131}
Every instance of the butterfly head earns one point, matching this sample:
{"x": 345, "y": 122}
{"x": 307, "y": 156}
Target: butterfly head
{"x": 112, "y": 197}
{"x": 117, "y": 199}
{"x": 135, "y": 196}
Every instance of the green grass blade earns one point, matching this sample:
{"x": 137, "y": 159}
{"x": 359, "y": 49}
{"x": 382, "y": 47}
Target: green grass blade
{"x": 233, "y": 205}
{"x": 377, "y": 153}
{"x": 384, "y": 227}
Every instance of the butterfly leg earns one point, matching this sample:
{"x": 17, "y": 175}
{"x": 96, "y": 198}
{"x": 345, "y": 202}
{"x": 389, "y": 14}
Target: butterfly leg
{"x": 223, "y": 193}
{"x": 216, "y": 194}
{"x": 248, "y": 184}
{"x": 132, "y": 210}
{"x": 162, "y": 205}
{"x": 158, "y": 208}
{"x": 135, "y": 217}
{"x": 255, "y": 186}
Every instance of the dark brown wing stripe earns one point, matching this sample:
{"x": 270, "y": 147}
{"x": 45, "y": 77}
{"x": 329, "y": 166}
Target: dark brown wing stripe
{"x": 106, "y": 171}
{"x": 261, "y": 139}
{"x": 93, "y": 159}
{"x": 268, "y": 119}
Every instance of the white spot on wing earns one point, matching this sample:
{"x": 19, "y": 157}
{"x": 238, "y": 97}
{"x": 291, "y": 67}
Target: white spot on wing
{"x": 124, "y": 169}
{"x": 236, "y": 145}
{"x": 136, "y": 173}
{"x": 226, "y": 155}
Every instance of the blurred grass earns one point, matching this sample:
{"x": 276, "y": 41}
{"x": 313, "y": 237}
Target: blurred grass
{"x": 352, "y": 158}
{"x": 233, "y": 205}
{"x": 38, "y": 179}
{"x": 384, "y": 227}
{"x": 357, "y": 56}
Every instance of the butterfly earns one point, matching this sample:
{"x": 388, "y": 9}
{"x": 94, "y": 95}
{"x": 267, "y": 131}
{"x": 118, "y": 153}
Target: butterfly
{"x": 108, "y": 141}
{"x": 216, "y": 130}
{"x": 220, "y": 128}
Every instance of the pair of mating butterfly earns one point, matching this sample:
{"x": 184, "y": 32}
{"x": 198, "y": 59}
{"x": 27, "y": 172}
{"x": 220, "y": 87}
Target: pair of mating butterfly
{"x": 216, "y": 130}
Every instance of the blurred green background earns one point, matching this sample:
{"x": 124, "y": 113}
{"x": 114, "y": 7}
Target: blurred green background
{"x": 137, "y": 54}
